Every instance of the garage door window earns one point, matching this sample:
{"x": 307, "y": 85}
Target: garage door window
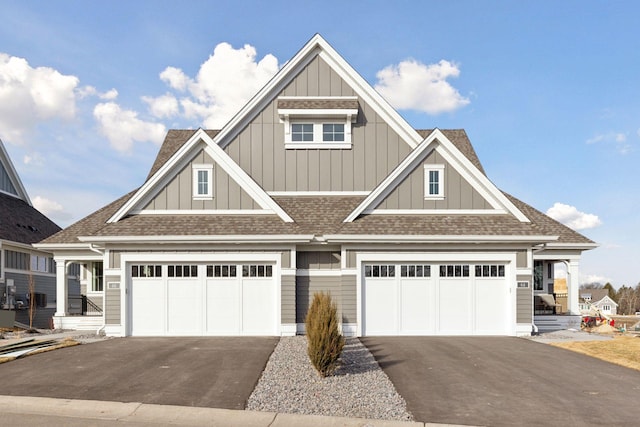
{"x": 221, "y": 270}
{"x": 380, "y": 270}
{"x": 490, "y": 270}
{"x": 257, "y": 270}
{"x": 146, "y": 271}
{"x": 415, "y": 270}
{"x": 183, "y": 271}
{"x": 457, "y": 270}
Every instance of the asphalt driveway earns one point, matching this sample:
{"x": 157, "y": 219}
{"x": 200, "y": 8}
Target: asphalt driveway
{"x": 207, "y": 372}
{"x": 502, "y": 381}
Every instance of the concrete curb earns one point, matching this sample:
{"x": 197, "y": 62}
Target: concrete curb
{"x": 133, "y": 412}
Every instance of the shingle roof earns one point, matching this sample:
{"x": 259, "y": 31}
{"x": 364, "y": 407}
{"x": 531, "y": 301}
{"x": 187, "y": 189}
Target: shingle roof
{"x": 175, "y": 139}
{"x": 316, "y": 215}
{"x": 318, "y": 104}
{"x": 22, "y": 223}
{"x": 460, "y": 139}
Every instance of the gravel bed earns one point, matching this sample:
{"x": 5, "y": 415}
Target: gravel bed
{"x": 358, "y": 388}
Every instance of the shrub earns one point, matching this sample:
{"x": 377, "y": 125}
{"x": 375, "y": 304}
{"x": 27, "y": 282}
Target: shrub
{"x": 325, "y": 342}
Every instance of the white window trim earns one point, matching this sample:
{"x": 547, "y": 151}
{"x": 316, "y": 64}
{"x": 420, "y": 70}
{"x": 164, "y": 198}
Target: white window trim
{"x": 209, "y": 169}
{"x": 440, "y": 170}
{"x": 317, "y": 133}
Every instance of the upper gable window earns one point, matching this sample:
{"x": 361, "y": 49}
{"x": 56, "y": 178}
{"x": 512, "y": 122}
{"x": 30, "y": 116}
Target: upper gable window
{"x": 434, "y": 182}
{"x": 318, "y": 122}
{"x": 203, "y": 182}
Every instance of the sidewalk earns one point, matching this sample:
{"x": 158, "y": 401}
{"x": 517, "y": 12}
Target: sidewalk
{"x": 28, "y": 411}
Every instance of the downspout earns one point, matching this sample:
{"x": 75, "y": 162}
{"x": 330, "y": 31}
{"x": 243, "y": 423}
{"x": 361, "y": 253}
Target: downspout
{"x": 104, "y": 320}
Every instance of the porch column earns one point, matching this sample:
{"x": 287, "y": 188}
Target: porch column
{"x": 62, "y": 287}
{"x": 573, "y": 286}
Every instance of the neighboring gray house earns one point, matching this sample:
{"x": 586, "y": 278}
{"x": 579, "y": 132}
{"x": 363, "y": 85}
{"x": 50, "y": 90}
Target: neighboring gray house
{"x": 20, "y": 226}
{"x": 316, "y": 184}
{"x": 598, "y": 298}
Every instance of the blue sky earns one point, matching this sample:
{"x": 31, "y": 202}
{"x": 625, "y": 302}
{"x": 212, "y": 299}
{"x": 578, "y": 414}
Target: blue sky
{"x": 548, "y": 92}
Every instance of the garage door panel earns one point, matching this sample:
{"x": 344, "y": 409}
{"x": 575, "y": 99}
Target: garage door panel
{"x": 258, "y": 313}
{"x": 184, "y": 307}
{"x": 417, "y": 307}
{"x": 455, "y": 306}
{"x": 148, "y": 308}
{"x": 223, "y": 306}
{"x": 381, "y": 307}
{"x": 492, "y": 296}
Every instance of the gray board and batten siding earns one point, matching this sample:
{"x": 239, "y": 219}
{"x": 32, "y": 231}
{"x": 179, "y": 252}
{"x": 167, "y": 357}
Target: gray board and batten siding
{"x": 5, "y": 182}
{"x": 459, "y": 193}
{"x": 178, "y": 194}
{"x": 259, "y": 147}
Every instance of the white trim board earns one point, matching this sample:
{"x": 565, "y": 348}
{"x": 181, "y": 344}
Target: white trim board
{"x": 438, "y": 141}
{"x": 222, "y": 159}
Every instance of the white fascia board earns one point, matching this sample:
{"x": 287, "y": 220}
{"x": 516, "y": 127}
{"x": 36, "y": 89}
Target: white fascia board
{"x": 577, "y": 246}
{"x": 222, "y": 159}
{"x": 317, "y": 112}
{"x": 151, "y": 183}
{"x": 232, "y": 238}
{"x": 50, "y": 247}
{"x": 435, "y": 212}
{"x": 344, "y": 70}
{"x": 472, "y": 174}
{"x": 398, "y": 238}
{"x": 457, "y": 160}
{"x": 386, "y": 185}
{"x": 243, "y": 179}
{"x": 13, "y": 175}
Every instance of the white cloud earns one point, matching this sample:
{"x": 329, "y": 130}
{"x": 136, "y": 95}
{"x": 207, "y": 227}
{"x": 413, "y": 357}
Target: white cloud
{"x": 572, "y": 217}
{"x": 619, "y": 139}
{"x": 164, "y": 106}
{"x": 123, "y": 127}
{"x": 586, "y": 279}
{"x": 224, "y": 83}
{"x": 416, "y": 86}
{"x": 34, "y": 159}
{"x": 50, "y": 208}
{"x": 29, "y": 95}
{"x": 86, "y": 91}
{"x": 175, "y": 78}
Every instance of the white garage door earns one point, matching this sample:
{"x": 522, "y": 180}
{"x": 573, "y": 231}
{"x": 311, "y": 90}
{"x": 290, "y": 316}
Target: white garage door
{"x": 429, "y": 299}
{"x": 202, "y": 299}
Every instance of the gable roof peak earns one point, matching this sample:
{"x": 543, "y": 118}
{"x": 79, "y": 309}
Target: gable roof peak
{"x": 14, "y": 178}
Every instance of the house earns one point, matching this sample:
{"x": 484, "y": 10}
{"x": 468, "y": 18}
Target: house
{"x": 317, "y": 184}
{"x": 21, "y": 225}
{"x": 598, "y": 298}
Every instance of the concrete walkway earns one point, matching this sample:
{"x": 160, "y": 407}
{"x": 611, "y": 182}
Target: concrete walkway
{"x": 28, "y": 411}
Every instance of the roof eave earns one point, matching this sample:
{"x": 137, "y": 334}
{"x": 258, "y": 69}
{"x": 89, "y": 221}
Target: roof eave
{"x": 395, "y": 238}
{"x": 278, "y": 238}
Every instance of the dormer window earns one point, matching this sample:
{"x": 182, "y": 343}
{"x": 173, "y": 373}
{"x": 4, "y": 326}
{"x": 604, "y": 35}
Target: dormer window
{"x": 318, "y": 122}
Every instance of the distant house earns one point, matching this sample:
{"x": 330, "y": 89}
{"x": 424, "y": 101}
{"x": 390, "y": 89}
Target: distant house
{"x": 21, "y": 225}
{"x": 598, "y": 298}
{"x": 318, "y": 184}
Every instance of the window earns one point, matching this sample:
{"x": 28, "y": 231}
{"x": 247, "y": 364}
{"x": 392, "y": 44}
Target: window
{"x": 257, "y": 270}
{"x": 490, "y": 270}
{"x": 182, "y": 271}
{"x": 333, "y": 132}
{"x": 538, "y": 267}
{"x": 203, "y": 182}
{"x": 301, "y": 132}
{"x": 221, "y": 270}
{"x": 317, "y": 122}
{"x": 415, "y": 270}
{"x": 379, "y": 270}
{"x": 434, "y": 182}
{"x": 457, "y": 270}
{"x": 146, "y": 271}
{"x": 97, "y": 278}
{"x": 41, "y": 264}
{"x": 606, "y": 307}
